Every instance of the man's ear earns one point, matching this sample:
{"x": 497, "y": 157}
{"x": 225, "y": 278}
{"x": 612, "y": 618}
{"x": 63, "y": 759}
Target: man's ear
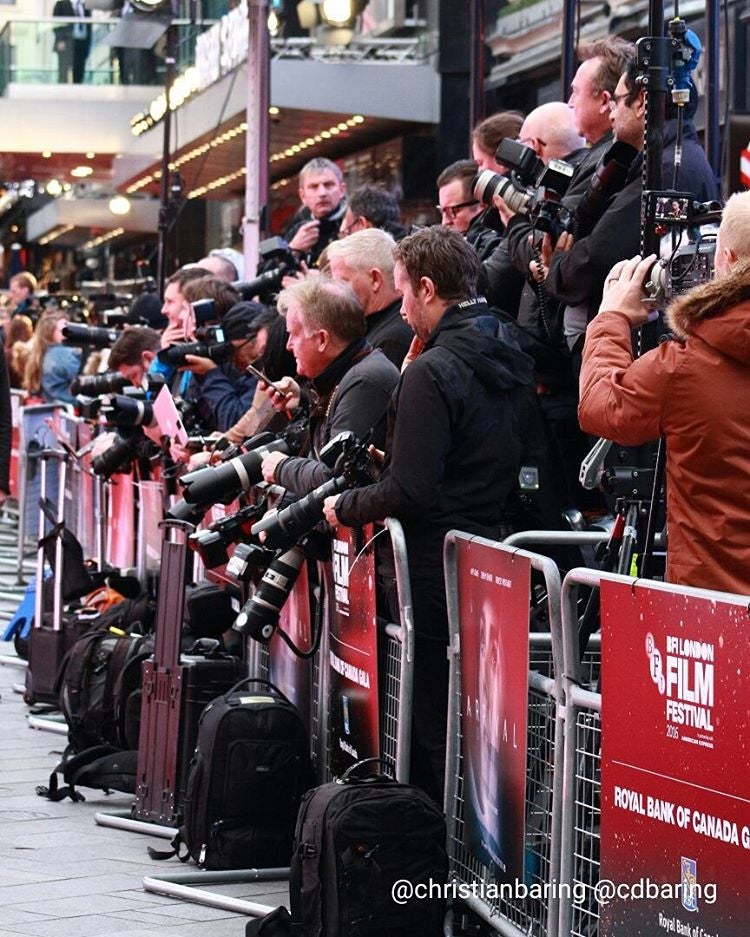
{"x": 427, "y": 287}
{"x": 376, "y": 279}
{"x": 147, "y": 357}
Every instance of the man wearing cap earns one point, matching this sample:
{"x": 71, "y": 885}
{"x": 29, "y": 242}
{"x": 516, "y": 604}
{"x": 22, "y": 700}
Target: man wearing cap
{"x": 223, "y": 391}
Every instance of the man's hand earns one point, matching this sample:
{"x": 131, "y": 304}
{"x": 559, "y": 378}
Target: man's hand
{"x": 305, "y": 237}
{"x": 199, "y": 365}
{"x": 174, "y": 333}
{"x": 3, "y": 497}
{"x": 377, "y": 455}
{"x": 329, "y": 510}
{"x": 415, "y": 350}
{"x": 623, "y": 289}
{"x": 299, "y": 276}
{"x": 268, "y": 466}
{"x": 284, "y": 395}
{"x": 505, "y": 213}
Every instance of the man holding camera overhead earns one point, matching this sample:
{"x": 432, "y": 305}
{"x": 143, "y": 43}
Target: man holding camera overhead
{"x": 453, "y": 454}
{"x": 693, "y": 391}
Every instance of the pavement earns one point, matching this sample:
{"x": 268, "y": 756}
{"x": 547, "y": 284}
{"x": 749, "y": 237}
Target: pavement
{"x": 62, "y": 874}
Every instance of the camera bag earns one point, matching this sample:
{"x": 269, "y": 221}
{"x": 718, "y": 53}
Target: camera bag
{"x": 355, "y": 838}
{"x": 250, "y": 768}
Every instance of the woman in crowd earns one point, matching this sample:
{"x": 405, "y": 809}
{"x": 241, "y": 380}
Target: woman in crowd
{"x": 51, "y": 366}
{"x": 19, "y": 331}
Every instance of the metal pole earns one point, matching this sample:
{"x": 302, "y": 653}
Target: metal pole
{"x": 568, "y": 62}
{"x": 169, "y": 75}
{"x": 476, "y": 65}
{"x": 256, "y": 147}
{"x": 713, "y": 57}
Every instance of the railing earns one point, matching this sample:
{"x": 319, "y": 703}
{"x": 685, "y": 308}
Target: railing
{"x": 28, "y": 53}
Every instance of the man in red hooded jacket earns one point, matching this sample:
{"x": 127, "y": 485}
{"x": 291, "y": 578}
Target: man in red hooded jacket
{"x": 694, "y": 392}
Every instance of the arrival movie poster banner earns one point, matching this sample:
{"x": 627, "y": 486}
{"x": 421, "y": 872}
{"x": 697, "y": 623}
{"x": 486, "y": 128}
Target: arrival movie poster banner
{"x": 353, "y": 650}
{"x": 286, "y": 670}
{"x": 675, "y": 768}
{"x": 493, "y": 606}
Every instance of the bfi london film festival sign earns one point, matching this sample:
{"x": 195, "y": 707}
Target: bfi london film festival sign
{"x": 353, "y": 650}
{"x": 222, "y": 47}
{"x": 675, "y": 763}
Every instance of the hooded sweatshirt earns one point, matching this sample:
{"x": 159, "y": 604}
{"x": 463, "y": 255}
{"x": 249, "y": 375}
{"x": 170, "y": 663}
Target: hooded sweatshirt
{"x": 453, "y": 446}
{"x": 695, "y": 393}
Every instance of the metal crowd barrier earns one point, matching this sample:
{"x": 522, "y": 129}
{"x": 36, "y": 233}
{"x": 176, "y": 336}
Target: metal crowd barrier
{"x": 582, "y": 839}
{"x": 509, "y": 914}
{"x": 396, "y": 672}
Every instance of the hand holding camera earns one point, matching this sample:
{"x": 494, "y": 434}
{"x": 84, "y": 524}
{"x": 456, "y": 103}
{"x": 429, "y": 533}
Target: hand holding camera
{"x": 624, "y": 292}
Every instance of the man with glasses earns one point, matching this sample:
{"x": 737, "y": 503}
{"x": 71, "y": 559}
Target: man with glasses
{"x": 461, "y": 211}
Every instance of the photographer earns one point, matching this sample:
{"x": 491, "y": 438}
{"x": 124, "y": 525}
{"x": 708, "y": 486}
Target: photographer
{"x": 223, "y": 391}
{"x": 364, "y": 261}
{"x": 692, "y": 391}
{"x": 350, "y": 381}
{"x": 133, "y": 353}
{"x": 323, "y": 195}
{"x": 453, "y": 454}
{"x": 460, "y": 209}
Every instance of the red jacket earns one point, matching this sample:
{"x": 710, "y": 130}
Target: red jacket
{"x": 696, "y": 395}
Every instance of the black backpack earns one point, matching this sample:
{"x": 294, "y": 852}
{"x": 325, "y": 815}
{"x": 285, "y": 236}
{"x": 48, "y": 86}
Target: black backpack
{"x": 250, "y": 769}
{"x": 355, "y": 838}
{"x": 89, "y": 683}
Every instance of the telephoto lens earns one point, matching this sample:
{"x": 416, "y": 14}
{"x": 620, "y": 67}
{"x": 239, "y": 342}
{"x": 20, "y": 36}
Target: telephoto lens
{"x": 488, "y": 184}
{"x": 84, "y": 335}
{"x": 129, "y": 411}
{"x": 260, "y": 614}
{"x": 94, "y": 384}
{"x": 118, "y": 456}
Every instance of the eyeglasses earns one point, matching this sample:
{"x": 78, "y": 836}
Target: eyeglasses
{"x": 345, "y": 232}
{"x": 616, "y": 98}
{"x": 450, "y": 211}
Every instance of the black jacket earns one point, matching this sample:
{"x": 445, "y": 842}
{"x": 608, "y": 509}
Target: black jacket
{"x": 485, "y": 232}
{"x": 351, "y": 394}
{"x": 327, "y": 232}
{"x": 695, "y": 173}
{"x": 453, "y": 446}
{"x": 387, "y": 331}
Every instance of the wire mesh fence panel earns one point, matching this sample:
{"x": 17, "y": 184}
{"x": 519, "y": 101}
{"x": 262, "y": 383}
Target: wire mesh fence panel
{"x": 507, "y": 905}
{"x": 585, "y": 910}
{"x": 389, "y": 691}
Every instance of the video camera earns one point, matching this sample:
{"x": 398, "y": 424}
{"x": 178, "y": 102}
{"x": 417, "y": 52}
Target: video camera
{"x": 533, "y": 188}
{"x": 690, "y": 263}
{"x": 274, "y": 251}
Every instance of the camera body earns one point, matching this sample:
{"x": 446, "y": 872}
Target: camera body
{"x": 212, "y": 345}
{"x": 533, "y": 188}
{"x": 689, "y": 264}
{"x": 276, "y": 255}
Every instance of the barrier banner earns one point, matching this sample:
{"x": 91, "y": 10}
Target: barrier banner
{"x": 675, "y": 770}
{"x": 121, "y": 522}
{"x": 353, "y": 655}
{"x": 493, "y": 609}
{"x": 290, "y": 673}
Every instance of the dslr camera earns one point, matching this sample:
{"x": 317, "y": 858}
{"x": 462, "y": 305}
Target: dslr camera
{"x": 532, "y": 188}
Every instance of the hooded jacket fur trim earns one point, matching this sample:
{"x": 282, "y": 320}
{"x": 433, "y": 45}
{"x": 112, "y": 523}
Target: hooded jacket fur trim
{"x": 709, "y": 300}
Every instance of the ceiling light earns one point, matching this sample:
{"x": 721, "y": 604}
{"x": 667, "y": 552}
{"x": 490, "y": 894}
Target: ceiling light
{"x": 119, "y": 205}
{"x": 90, "y": 155}
{"x": 81, "y": 172}
{"x": 54, "y": 188}
{"x": 46, "y": 154}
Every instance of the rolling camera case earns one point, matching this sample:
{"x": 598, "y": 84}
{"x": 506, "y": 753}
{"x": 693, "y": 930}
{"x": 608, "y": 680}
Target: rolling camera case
{"x": 250, "y": 769}
{"x": 355, "y": 838}
{"x": 175, "y": 690}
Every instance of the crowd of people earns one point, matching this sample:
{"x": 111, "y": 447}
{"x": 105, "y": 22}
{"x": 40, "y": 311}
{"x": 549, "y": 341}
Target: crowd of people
{"x": 457, "y": 351}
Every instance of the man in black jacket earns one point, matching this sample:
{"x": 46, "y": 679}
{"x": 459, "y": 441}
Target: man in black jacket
{"x": 322, "y": 192}
{"x": 453, "y": 453}
{"x": 364, "y": 261}
{"x": 350, "y": 382}
{"x": 72, "y": 41}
